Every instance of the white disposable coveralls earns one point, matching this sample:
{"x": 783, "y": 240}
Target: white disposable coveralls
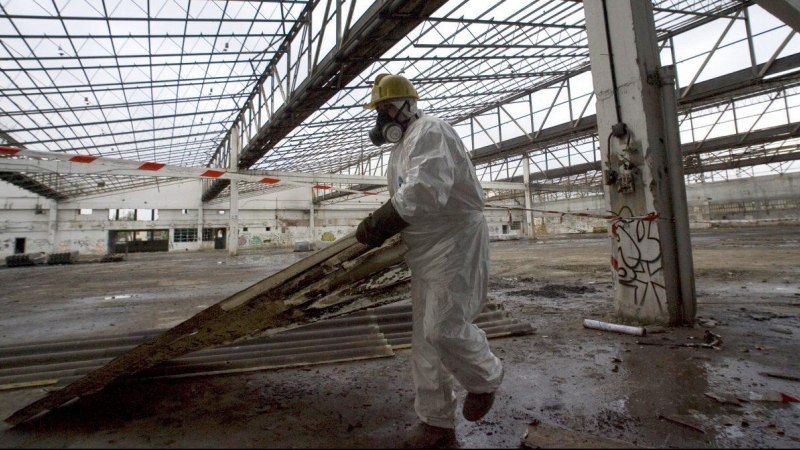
{"x": 435, "y": 189}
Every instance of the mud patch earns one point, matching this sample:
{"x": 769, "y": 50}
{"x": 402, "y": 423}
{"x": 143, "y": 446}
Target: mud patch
{"x": 503, "y": 283}
{"x": 554, "y": 291}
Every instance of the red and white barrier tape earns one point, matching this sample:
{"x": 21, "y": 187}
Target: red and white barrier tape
{"x": 167, "y": 170}
{"x": 647, "y": 218}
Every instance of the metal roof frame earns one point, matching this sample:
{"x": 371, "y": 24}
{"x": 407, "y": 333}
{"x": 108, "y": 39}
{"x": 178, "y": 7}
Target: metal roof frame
{"x": 167, "y": 81}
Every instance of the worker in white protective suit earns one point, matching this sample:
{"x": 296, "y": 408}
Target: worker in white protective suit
{"x": 437, "y": 204}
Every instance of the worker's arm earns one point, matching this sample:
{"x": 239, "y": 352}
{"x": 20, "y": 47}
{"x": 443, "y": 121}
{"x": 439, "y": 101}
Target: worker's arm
{"x": 380, "y": 225}
{"x": 430, "y": 177}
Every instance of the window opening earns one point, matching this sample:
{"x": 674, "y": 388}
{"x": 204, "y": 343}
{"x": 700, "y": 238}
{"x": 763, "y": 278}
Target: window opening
{"x": 185, "y": 235}
{"x": 144, "y": 215}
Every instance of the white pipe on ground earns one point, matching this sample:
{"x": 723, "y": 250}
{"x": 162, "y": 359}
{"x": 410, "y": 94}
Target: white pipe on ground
{"x": 605, "y": 326}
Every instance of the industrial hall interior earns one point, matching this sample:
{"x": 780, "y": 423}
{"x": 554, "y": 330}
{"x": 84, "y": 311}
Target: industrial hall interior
{"x": 399, "y": 223}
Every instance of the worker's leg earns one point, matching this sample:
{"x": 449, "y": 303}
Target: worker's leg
{"x": 435, "y": 401}
{"x": 462, "y": 347}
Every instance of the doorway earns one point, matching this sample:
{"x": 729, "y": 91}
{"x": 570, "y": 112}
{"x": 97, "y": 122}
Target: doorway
{"x": 219, "y": 239}
{"x": 19, "y": 246}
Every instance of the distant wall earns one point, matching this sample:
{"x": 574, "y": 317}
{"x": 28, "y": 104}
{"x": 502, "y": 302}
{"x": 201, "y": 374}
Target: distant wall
{"x": 755, "y": 199}
{"x": 271, "y": 220}
{"x": 284, "y": 218}
{"x": 742, "y": 202}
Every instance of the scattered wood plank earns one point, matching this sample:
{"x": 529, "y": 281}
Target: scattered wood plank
{"x": 781, "y": 376}
{"x": 683, "y": 422}
{"x": 724, "y": 399}
{"x": 27, "y": 384}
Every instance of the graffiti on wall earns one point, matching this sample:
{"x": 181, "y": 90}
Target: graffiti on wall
{"x": 637, "y": 260}
{"x": 328, "y": 237}
{"x": 40, "y": 245}
{"x": 251, "y": 240}
{"x": 84, "y": 245}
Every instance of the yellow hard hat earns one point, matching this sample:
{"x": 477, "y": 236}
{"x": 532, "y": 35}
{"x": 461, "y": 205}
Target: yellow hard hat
{"x": 390, "y": 87}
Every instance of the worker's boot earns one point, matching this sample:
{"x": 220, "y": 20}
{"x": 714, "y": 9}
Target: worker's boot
{"x": 477, "y": 405}
{"x": 428, "y": 436}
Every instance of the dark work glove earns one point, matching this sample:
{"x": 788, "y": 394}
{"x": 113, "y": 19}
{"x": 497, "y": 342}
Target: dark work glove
{"x": 380, "y": 225}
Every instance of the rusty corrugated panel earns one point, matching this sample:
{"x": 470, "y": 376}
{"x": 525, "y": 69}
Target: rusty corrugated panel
{"x": 372, "y": 333}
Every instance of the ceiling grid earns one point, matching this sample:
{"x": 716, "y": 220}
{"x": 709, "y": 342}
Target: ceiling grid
{"x": 166, "y": 81}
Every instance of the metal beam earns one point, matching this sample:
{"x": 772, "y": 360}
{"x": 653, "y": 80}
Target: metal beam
{"x": 788, "y": 11}
{"x": 560, "y": 187}
{"x": 341, "y": 196}
{"x": 378, "y": 30}
{"x": 13, "y": 168}
{"x": 736, "y": 84}
{"x": 29, "y": 184}
{"x": 743, "y": 162}
{"x": 88, "y": 165}
{"x": 23, "y": 181}
{"x": 741, "y": 140}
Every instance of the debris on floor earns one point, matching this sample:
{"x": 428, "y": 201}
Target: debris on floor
{"x": 113, "y": 257}
{"x": 654, "y": 329}
{"x": 550, "y": 435}
{"x": 304, "y": 246}
{"x": 684, "y": 421}
{"x": 724, "y": 399}
{"x": 781, "y": 375}
{"x": 770, "y": 396}
{"x": 710, "y": 340}
{"x": 25, "y": 259}
{"x": 62, "y": 258}
{"x": 781, "y": 329}
{"x": 708, "y": 322}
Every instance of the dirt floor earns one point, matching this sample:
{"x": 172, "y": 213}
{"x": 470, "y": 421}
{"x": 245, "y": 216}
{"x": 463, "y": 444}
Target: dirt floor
{"x": 560, "y": 381}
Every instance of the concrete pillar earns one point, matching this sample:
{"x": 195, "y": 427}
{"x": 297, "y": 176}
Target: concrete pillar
{"x": 788, "y": 11}
{"x": 651, "y": 256}
{"x": 200, "y": 219}
{"x": 312, "y": 231}
{"x": 53, "y": 226}
{"x": 526, "y": 178}
{"x": 233, "y": 220}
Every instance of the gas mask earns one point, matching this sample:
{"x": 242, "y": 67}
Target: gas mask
{"x": 386, "y": 129}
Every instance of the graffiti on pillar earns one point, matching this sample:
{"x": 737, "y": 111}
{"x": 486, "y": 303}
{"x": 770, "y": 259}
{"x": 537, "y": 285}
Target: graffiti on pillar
{"x": 637, "y": 259}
